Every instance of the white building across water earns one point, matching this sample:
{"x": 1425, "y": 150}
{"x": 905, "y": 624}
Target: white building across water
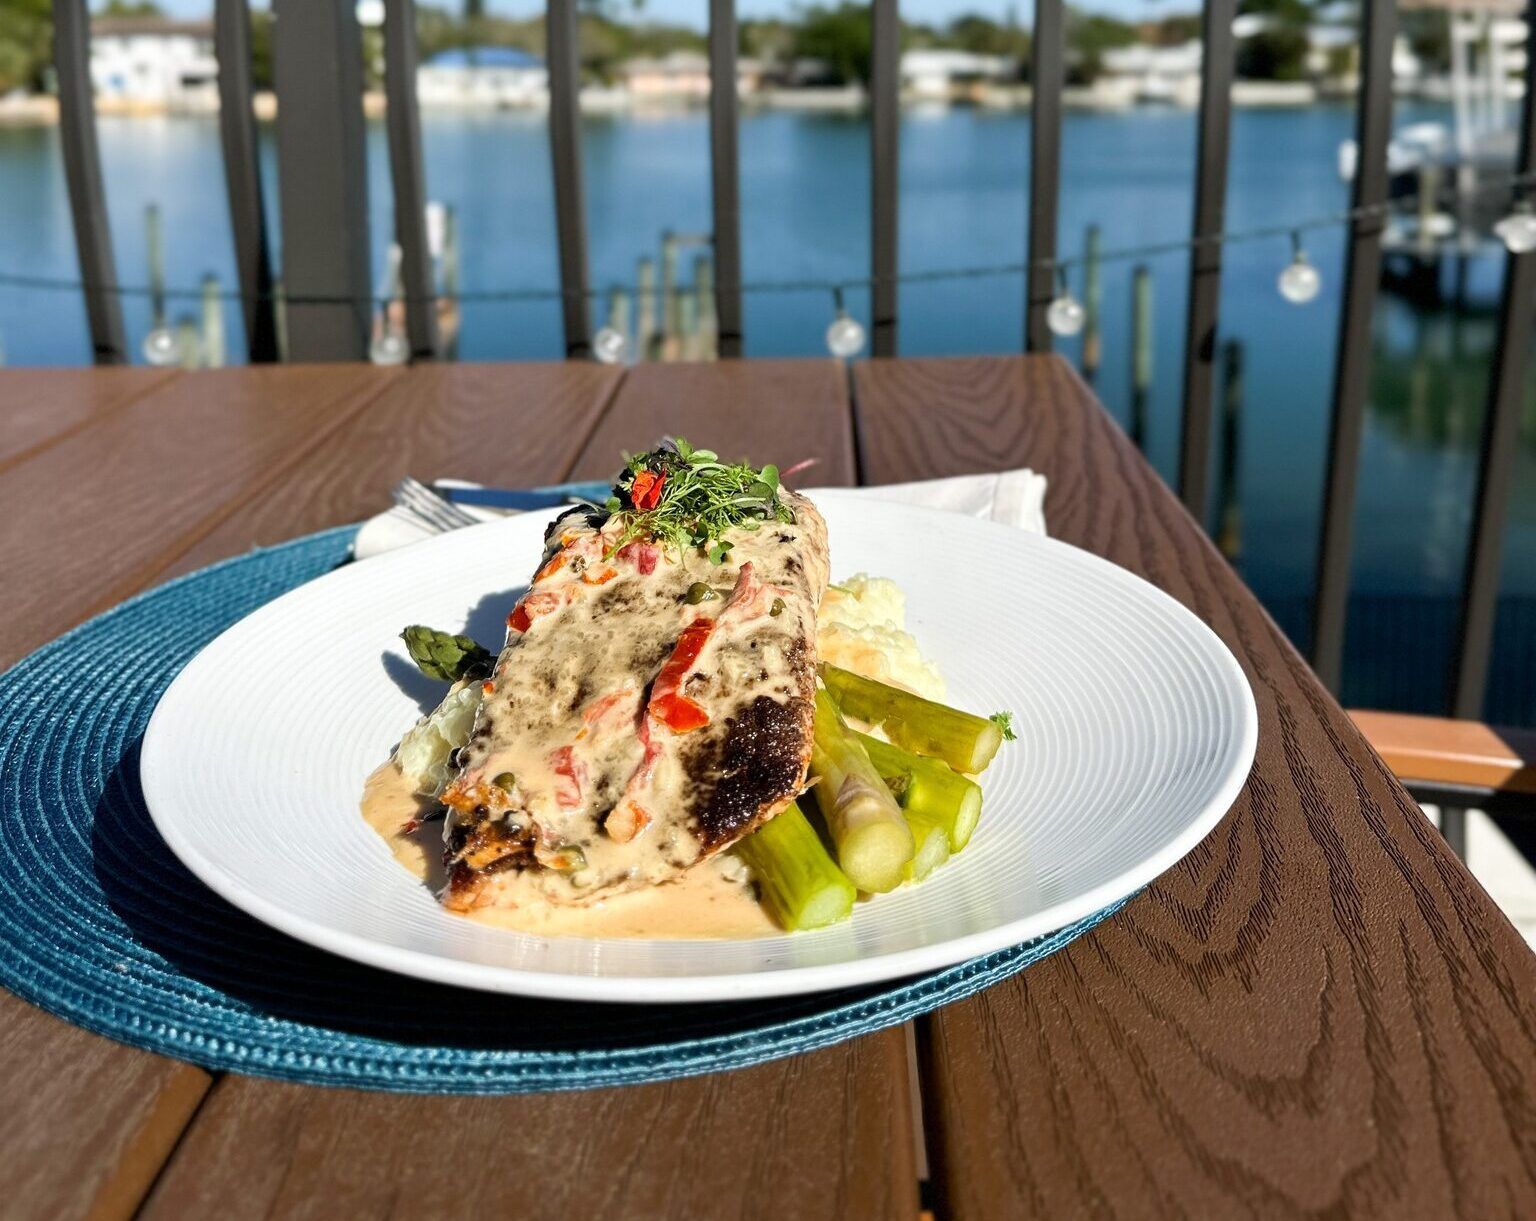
{"x": 154, "y": 63}
{"x": 483, "y": 76}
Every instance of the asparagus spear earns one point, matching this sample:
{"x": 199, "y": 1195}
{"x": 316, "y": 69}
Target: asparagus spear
{"x": 932, "y": 840}
{"x": 870, "y": 834}
{"x": 932, "y": 789}
{"x": 799, "y": 881}
{"x": 924, "y": 727}
{"x": 444, "y": 656}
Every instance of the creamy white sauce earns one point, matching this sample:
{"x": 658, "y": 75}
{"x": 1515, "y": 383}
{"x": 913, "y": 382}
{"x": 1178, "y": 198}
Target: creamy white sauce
{"x": 712, "y": 900}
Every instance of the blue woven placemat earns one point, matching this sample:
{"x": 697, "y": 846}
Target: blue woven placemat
{"x": 100, "y": 924}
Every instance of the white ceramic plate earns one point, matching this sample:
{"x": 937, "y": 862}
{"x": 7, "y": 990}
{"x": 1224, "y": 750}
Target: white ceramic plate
{"x": 1136, "y": 729}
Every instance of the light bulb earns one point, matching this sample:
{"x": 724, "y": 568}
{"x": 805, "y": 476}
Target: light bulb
{"x": 1065, "y": 315}
{"x": 161, "y": 347}
{"x": 845, "y": 337}
{"x": 389, "y": 348}
{"x": 1518, "y": 230}
{"x": 1299, "y": 282}
{"x": 610, "y": 346}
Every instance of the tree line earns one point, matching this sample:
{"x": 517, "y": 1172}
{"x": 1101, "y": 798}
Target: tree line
{"x": 837, "y": 37}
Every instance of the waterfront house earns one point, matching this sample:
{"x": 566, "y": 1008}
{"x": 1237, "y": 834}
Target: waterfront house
{"x": 941, "y": 75}
{"x": 1144, "y": 73}
{"x": 151, "y": 63}
{"x": 679, "y": 76}
{"x": 483, "y": 77}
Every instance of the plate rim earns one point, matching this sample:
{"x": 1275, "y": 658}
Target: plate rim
{"x": 157, "y": 752}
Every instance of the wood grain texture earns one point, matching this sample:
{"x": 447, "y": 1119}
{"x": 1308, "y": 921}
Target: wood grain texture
{"x": 39, "y": 406}
{"x": 93, "y": 518}
{"x": 780, "y": 411}
{"x": 808, "y": 1138}
{"x": 86, "y": 1124}
{"x": 148, "y": 460}
{"x": 1319, "y": 1012}
{"x": 506, "y": 425}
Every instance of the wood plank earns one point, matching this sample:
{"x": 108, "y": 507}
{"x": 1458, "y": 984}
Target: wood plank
{"x": 1444, "y": 750}
{"x": 806, "y": 1138}
{"x": 1319, "y": 1011}
{"x": 141, "y": 460}
{"x": 86, "y": 1123}
{"x": 91, "y": 519}
{"x": 42, "y": 406}
{"x": 827, "y": 1135}
{"x": 94, "y": 1121}
{"x": 781, "y": 411}
{"x": 506, "y": 425}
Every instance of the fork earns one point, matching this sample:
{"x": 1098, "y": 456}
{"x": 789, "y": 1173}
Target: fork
{"x": 429, "y": 508}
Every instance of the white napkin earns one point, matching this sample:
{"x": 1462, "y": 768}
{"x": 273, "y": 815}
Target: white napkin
{"x": 1015, "y": 497}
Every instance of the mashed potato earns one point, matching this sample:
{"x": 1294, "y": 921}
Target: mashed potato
{"x": 424, "y": 752}
{"x": 862, "y": 627}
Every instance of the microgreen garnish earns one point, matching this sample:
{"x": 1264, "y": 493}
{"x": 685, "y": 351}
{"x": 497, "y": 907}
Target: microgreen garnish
{"x": 686, "y": 497}
{"x": 1004, "y": 721}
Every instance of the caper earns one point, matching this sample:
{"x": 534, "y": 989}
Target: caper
{"x": 699, "y": 591}
{"x": 505, "y": 781}
{"x": 777, "y": 608}
{"x": 569, "y": 859}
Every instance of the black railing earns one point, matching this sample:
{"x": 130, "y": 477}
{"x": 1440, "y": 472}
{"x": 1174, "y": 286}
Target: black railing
{"x": 1352, "y": 365}
{"x": 329, "y": 295}
{"x": 1046, "y": 75}
{"x": 564, "y": 62}
{"x": 408, "y": 179}
{"x": 317, "y": 67}
{"x": 1215, "y": 123}
{"x": 242, "y": 177}
{"x": 725, "y": 190}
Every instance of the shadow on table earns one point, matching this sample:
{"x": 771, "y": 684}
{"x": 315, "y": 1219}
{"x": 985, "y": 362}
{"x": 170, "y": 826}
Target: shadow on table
{"x": 232, "y": 962}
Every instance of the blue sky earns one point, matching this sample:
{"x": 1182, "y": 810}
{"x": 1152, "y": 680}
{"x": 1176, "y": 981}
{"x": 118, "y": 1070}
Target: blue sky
{"x": 693, "y": 12}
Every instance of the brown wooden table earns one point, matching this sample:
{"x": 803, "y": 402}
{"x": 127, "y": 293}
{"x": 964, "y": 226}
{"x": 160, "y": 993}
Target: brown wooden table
{"x": 1319, "y": 1012}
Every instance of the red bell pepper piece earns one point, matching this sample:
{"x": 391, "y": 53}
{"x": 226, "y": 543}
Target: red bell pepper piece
{"x": 677, "y": 712}
{"x": 645, "y": 489}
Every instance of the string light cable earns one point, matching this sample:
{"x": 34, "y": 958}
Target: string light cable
{"x": 1298, "y": 282}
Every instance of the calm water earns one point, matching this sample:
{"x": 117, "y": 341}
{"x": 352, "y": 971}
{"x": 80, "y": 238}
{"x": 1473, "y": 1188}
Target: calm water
{"x": 963, "y": 181}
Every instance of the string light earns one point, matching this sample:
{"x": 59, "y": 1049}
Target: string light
{"x": 1300, "y": 281}
{"x": 845, "y": 335}
{"x": 389, "y": 348}
{"x": 161, "y": 347}
{"x": 1516, "y": 220}
{"x": 610, "y": 346}
{"x": 1065, "y": 315}
{"x": 1518, "y": 229}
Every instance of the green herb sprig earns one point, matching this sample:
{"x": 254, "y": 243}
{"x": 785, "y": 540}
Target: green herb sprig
{"x": 698, "y": 500}
{"x": 1004, "y": 721}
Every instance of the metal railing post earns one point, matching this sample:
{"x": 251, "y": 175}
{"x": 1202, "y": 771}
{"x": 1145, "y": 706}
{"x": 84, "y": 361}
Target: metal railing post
{"x": 884, "y": 171}
{"x": 1362, "y": 271}
{"x": 317, "y": 60}
{"x": 570, "y": 197}
{"x": 1500, "y": 440}
{"x": 1046, "y": 74}
{"x": 82, "y": 171}
{"x": 725, "y": 185}
{"x": 403, "y": 119}
{"x": 1216, "y": 68}
{"x": 242, "y": 178}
